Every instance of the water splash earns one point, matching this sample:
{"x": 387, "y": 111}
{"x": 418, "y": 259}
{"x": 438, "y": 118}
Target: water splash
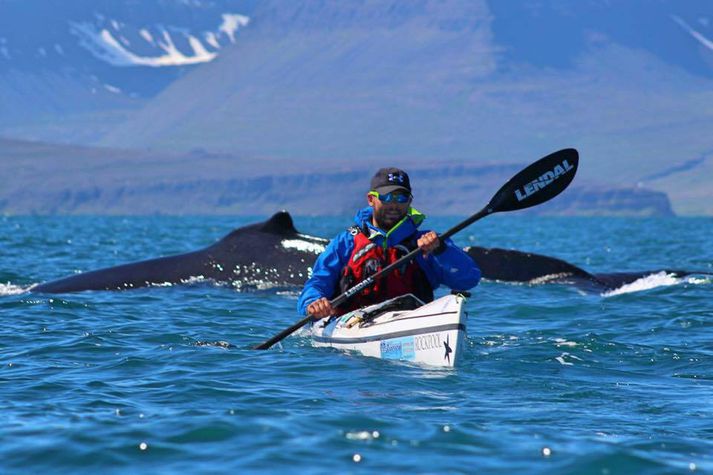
{"x": 660, "y": 279}
{"x": 11, "y": 289}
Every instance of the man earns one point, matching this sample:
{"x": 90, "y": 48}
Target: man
{"x": 384, "y": 231}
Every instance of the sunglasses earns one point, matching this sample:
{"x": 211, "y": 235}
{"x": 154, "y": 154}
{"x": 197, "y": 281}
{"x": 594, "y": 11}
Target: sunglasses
{"x": 400, "y": 198}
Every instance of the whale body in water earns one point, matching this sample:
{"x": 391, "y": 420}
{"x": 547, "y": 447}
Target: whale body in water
{"x": 271, "y": 253}
{"x": 274, "y": 254}
{"x": 506, "y": 265}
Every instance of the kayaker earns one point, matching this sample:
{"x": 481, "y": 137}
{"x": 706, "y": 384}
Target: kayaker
{"x": 383, "y": 232}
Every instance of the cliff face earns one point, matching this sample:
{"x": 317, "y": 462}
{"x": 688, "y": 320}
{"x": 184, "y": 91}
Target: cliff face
{"x": 603, "y": 201}
{"x": 46, "y": 179}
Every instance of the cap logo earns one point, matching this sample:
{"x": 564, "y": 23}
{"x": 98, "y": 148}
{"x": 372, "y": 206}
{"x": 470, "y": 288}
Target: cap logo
{"x": 396, "y": 177}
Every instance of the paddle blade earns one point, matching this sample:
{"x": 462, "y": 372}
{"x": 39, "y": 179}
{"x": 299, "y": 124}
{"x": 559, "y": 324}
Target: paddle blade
{"x": 539, "y": 182}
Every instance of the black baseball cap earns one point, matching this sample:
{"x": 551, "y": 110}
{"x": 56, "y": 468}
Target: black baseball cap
{"x": 387, "y": 180}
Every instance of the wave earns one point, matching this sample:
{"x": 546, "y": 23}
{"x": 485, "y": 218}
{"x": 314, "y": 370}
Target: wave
{"x": 12, "y": 289}
{"x": 652, "y": 281}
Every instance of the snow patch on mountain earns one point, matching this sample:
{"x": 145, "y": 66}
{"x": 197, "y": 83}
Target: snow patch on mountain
{"x": 231, "y": 23}
{"x": 146, "y": 34}
{"x": 212, "y": 40}
{"x": 112, "y": 89}
{"x": 114, "y": 47}
{"x": 694, "y": 33}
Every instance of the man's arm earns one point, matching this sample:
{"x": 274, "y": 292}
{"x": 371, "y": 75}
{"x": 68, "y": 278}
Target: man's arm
{"x": 326, "y": 272}
{"x": 451, "y": 266}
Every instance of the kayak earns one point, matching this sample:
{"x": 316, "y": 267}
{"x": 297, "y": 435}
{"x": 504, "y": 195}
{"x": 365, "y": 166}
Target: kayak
{"x": 403, "y": 328}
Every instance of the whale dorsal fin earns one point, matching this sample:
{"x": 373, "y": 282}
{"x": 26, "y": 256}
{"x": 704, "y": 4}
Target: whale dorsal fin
{"x": 279, "y": 223}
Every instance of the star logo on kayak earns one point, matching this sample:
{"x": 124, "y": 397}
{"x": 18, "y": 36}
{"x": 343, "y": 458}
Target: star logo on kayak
{"x": 447, "y": 346}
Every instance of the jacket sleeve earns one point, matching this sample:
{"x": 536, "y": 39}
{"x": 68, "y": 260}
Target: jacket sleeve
{"x": 453, "y": 268}
{"x": 326, "y": 271}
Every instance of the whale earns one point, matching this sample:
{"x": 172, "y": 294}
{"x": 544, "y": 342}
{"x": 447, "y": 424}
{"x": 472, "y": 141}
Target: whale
{"x": 508, "y": 265}
{"x": 273, "y": 254}
{"x": 262, "y": 255}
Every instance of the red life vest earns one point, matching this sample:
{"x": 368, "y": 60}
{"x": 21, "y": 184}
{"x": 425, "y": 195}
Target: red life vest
{"x": 367, "y": 259}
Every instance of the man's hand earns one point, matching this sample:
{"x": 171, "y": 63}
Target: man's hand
{"x": 320, "y": 309}
{"x": 428, "y": 243}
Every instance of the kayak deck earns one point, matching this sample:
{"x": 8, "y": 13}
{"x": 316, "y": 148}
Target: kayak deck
{"x": 402, "y": 328}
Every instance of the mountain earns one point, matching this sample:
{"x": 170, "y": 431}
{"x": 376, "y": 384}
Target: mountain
{"x": 319, "y": 84}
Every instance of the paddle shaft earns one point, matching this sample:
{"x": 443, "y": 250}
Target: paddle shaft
{"x": 283, "y": 334}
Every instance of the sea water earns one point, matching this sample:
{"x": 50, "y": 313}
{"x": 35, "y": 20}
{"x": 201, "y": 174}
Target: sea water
{"x": 163, "y": 380}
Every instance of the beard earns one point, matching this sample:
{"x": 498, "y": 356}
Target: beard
{"x": 386, "y": 217}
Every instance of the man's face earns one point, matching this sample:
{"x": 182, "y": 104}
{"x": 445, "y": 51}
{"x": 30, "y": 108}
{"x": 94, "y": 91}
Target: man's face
{"x": 388, "y": 213}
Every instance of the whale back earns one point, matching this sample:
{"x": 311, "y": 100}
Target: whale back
{"x": 516, "y": 266}
{"x": 271, "y": 253}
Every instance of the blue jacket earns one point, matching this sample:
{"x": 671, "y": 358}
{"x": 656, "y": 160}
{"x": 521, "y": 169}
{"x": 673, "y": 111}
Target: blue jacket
{"x": 452, "y": 267}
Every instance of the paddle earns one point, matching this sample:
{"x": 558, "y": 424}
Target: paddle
{"x": 537, "y": 183}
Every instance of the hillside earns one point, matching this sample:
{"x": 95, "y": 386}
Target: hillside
{"x": 41, "y": 178}
{"x": 302, "y": 85}
{"x": 318, "y": 82}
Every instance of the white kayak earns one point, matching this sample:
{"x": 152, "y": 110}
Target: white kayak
{"x": 403, "y": 328}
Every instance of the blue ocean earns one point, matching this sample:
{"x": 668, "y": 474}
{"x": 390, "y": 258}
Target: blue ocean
{"x": 552, "y": 379}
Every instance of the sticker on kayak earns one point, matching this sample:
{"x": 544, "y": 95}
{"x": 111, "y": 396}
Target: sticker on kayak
{"x": 398, "y": 349}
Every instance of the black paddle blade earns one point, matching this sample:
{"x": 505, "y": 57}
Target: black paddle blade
{"x": 541, "y": 181}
